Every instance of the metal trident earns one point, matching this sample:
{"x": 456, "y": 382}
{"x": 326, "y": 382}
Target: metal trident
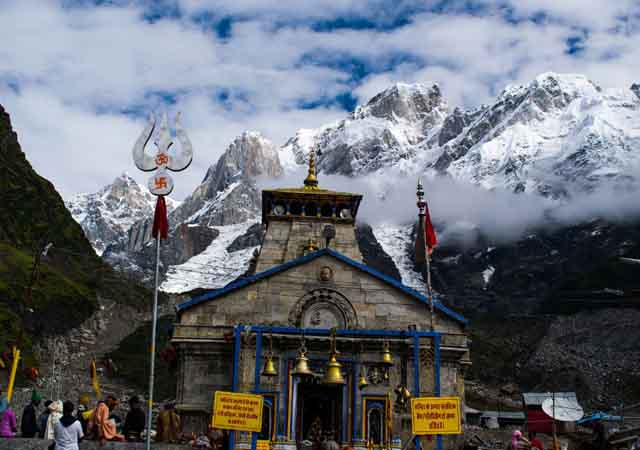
{"x": 161, "y": 183}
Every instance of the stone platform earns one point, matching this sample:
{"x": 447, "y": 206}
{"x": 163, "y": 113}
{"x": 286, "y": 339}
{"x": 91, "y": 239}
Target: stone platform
{"x": 41, "y": 444}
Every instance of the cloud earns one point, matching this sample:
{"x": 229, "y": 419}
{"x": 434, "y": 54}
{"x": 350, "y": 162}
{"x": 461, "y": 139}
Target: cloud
{"x": 461, "y": 211}
{"x": 79, "y": 77}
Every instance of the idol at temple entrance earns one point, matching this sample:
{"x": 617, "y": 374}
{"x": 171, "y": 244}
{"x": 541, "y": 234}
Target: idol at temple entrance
{"x": 335, "y": 350}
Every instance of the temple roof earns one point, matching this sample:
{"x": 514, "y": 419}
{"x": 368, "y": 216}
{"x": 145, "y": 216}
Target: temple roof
{"x": 240, "y": 283}
{"x": 323, "y": 204}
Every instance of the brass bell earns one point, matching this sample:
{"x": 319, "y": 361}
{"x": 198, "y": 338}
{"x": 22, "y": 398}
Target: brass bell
{"x": 301, "y": 368}
{"x": 362, "y": 382}
{"x": 405, "y": 393}
{"x": 269, "y": 368}
{"x": 333, "y": 375}
{"x": 387, "y": 357}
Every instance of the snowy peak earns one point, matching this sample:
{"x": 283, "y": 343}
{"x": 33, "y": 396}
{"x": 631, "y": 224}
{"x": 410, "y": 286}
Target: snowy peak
{"x": 381, "y": 133}
{"x": 107, "y": 215}
{"x": 250, "y": 155}
{"x": 227, "y": 194}
{"x": 556, "y": 134}
{"x": 411, "y": 102}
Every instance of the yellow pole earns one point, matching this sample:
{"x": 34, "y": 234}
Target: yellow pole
{"x": 12, "y": 377}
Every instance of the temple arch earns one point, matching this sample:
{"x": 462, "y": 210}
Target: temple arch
{"x": 323, "y": 308}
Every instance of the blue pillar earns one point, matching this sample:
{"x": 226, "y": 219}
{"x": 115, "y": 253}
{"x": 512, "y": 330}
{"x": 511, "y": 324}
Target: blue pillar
{"x": 416, "y": 375}
{"x": 236, "y": 369}
{"x": 354, "y": 410}
{"x": 436, "y": 356}
{"x": 256, "y": 388}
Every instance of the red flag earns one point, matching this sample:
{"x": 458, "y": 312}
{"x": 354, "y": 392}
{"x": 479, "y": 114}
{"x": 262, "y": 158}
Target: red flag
{"x": 429, "y": 232}
{"x": 160, "y": 222}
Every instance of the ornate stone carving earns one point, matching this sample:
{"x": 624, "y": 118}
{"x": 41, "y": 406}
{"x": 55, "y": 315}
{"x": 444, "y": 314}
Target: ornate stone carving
{"x": 326, "y": 274}
{"x": 323, "y": 308}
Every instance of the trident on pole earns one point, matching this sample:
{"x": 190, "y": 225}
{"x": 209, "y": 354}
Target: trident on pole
{"x": 160, "y": 184}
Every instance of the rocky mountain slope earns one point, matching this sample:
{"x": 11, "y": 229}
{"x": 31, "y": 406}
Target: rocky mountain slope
{"x": 69, "y": 279}
{"x": 554, "y": 138}
{"x": 107, "y": 215}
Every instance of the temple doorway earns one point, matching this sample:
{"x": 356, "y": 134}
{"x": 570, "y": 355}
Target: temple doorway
{"x": 319, "y": 413}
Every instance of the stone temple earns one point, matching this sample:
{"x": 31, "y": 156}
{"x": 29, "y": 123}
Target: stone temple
{"x": 310, "y": 293}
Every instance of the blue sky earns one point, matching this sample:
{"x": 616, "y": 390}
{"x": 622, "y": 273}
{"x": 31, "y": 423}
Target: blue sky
{"x": 79, "y": 76}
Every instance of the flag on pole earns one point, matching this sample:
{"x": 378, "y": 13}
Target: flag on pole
{"x": 94, "y": 378}
{"x": 12, "y": 376}
{"x": 426, "y": 238}
{"x": 160, "y": 221}
{"x": 429, "y": 232}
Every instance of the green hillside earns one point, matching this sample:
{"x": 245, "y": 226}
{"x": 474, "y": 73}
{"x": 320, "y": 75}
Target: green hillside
{"x": 71, "y": 277}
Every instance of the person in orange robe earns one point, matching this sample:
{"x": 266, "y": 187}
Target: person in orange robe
{"x": 103, "y": 427}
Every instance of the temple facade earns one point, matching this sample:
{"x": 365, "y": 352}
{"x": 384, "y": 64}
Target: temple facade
{"x": 336, "y": 348}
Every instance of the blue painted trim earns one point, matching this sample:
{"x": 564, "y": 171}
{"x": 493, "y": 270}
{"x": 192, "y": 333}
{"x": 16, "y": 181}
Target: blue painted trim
{"x": 287, "y": 401}
{"x": 345, "y": 416}
{"x": 294, "y": 408}
{"x": 354, "y": 412}
{"x": 436, "y": 356}
{"x": 236, "y": 355}
{"x": 256, "y": 387}
{"x": 416, "y": 375}
{"x": 236, "y": 369}
{"x": 350, "y": 332}
{"x": 310, "y": 257}
{"x": 256, "y": 375}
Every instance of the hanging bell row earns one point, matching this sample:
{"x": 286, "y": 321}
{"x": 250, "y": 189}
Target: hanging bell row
{"x": 333, "y": 372}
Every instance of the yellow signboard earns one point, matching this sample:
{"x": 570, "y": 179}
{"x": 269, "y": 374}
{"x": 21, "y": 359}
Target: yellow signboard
{"x": 235, "y": 411}
{"x": 263, "y": 444}
{"x": 435, "y": 415}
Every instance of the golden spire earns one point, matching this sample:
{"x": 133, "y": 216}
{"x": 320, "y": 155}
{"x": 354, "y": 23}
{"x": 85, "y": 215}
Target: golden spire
{"x": 311, "y": 182}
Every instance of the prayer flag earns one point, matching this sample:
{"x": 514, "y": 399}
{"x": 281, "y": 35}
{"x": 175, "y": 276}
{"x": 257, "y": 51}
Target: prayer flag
{"x": 94, "y": 378}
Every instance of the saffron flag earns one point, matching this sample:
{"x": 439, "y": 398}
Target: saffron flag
{"x": 160, "y": 223}
{"x": 94, "y": 378}
{"x": 429, "y": 232}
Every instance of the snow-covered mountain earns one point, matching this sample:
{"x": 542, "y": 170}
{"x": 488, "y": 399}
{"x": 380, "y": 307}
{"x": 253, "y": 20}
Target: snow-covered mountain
{"x": 382, "y": 133}
{"x": 555, "y": 135}
{"x": 558, "y": 133}
{"x": 107, "y": 215}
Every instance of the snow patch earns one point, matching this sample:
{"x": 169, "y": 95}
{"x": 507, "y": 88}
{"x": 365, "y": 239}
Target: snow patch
{"x": 487, "y": 274}
{"x": 215, "y": 267}
{"x": 395, "y": 241}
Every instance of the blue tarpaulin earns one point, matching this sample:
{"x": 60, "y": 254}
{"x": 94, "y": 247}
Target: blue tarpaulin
{"x": 598, "y": 416}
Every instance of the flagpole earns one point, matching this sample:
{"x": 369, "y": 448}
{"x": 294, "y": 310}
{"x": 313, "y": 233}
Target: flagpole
{"x": 153, "y": 343}
{"x": 160, "y": 185}
{"x": 426, "y": 267}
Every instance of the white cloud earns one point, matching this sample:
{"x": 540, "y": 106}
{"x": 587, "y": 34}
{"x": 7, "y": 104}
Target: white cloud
{"x": 78, "y": 69}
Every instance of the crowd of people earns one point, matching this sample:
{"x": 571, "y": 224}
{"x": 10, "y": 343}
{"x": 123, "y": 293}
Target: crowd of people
{"x": 66, "y": 425}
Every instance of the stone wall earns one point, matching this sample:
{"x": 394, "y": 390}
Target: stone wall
{"x": 378, "y": 305}
{"x": 285, "y": 241}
